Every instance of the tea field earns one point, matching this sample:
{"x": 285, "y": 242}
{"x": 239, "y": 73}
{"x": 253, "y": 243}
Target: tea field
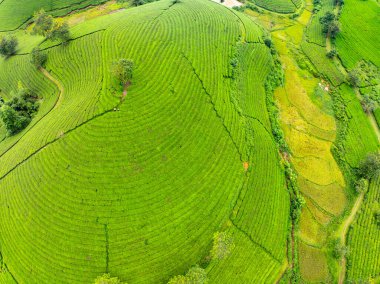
{"x": 234, "y": 154}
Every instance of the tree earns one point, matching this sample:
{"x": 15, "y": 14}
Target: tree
{"x": 138, "y": 2}
{"x": 107, "y": 279}
{"x": 334, "y": 29}
{"x": 46, "y": 26}
{"x": 361, "y": 185}
{"x": 38, "y": 58}
{"x": 195, "y": 275}
{"x": 353, "y": 78}
{"x": 268, "y": 42}
{"x": 43, "y": 23}
{"x": 223, "y": 244}
{"x": 123, "y": 70}
{"x": 59, "y": 32}
{"x": 331, "y": 54}
{"x": 368, "y": 104}
{"x": 17, "y": 113}
{"x": 330, "y": 25}
{"x": 12, "y": 121}
{"x": 8, "y": 45}
{"x": 370, "y": 166}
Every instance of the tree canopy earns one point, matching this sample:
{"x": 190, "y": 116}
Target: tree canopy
{"x": 123, "y": 70}
{"x": 8, "y": 45}
{"x": 370, "y": 166}
{"x": 107, "y": 279}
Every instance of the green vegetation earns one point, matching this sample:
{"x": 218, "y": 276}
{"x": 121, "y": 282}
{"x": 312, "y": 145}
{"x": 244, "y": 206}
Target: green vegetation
{"x": 359, "y": 38}
{"x": 241, "y": 153}
{"x": 141, "y": 185}
{"x": 38, "y": 58}
{"x": 17, "y": 113}
{"x": 8, "y": 45}
{"x": 364, "y": 238}
{"x": 123, "y": 70}
{"x": 55, "y": 30}
{"x": 330, "y": 25}
{"x": 195, "y": 275}
{"x": 107, "y": 279}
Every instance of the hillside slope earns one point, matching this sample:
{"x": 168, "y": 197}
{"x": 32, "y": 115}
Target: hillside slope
{"x": 137, "y": 186}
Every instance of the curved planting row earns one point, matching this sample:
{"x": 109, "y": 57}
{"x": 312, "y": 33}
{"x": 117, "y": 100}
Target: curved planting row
{"x": 25, "y": 73}
{"x": 138, "y": 186}
{"x": 354, "y": 43}
{"x": 13, "y": 15}
{"x": 364, "y": 238}
{"x": 279, "y": 6}
{"x": 80, "y": 70}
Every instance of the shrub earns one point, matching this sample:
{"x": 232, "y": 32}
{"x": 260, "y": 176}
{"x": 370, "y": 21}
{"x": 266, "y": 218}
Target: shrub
{"x": 368, "y": 104}
{"x": 8, "y": 45}
{"x": 43, "y": 23}
{"x": 223, "y": 245}
{"x": 361, "y": 185}
{"x": 46, "y": 26}
{"x": 123, "y": 70}
{"x": 59, "y": 32}
{"x": 330, "y": 25}
{"x": 17, "y": 113}
{"x": 107, "y": 279}
{"x": 370, "y": 166}
{"x": 38, "y": 58}
{"x": 195, "y": 275}
{"x": 331, "y": 54}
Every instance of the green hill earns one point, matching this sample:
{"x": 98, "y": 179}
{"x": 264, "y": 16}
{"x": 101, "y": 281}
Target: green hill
{"x": 138, "y": 185}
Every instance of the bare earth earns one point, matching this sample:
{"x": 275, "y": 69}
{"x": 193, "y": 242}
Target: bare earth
{"x": 229, "y": 3}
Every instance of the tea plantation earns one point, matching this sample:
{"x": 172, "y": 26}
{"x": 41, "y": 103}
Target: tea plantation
{"x": 239, "y": 145}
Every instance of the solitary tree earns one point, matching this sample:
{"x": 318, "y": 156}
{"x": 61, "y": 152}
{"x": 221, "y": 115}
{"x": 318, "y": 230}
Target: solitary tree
{"x": 368, "y": 104}
{"x": 12, "y": 121}
{"x": 138, "y": 2}
{"x": 38, "y": 58}
{"x": 353, "y": 78}
{"x": 370, "y": 166}
{"x": 223, "y": 244}
{"x": 8, "y": 45}
{"x": 107, "y": 279}
{"x": 330, "y": 25}
{"x": 195, "y": 275}
{"x": 331, "y": 54}
{"x": 123, "y": 70}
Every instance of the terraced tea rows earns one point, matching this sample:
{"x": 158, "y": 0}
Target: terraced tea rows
{"x": 279, "y": 6}
{"x": 13, "y": 13}
{"x": 364, "y": 239}
{"x": 359, "y": 37}
{"x": 138, "y": 186}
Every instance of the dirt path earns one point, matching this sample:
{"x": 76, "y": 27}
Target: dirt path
{"x": 229, "y": 3}
{"x": 57, "y": 83}
{"x": 343, "y": 234}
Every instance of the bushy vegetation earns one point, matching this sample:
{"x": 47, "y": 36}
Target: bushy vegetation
{"x": 38, "y": 58}
{"x": 47, "y": 26}
{"x": 195, "y": 275}
{"x": 17, "y": 113}
{"x": 107, "y": 279}
{"x": 223, "y": 244}
{"x": 330, "y": 25}
{"x": 370, "y": 166}
{"x": 123, "y": 70}
{"x": 8, "y": 45}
